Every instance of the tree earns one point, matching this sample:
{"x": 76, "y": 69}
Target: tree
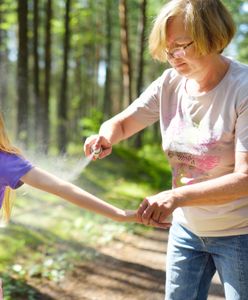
{"x": 62, "y": 109}
{"x": 125, "y": 54}
{"x": 47, "y": 81}
{"x": 141, "y": 45}
{"x": 107, "y": 103}
{"x": 3, "y": 60}
{"x": 36, "y": 73}
{"x": 22, "y": 72}
{"x": 141, "y": 49}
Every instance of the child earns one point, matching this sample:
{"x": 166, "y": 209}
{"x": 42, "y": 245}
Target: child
{"x": 15, "y": 170}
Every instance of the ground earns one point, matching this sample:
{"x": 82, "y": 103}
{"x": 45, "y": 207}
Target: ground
{"x": 129, "y": 268}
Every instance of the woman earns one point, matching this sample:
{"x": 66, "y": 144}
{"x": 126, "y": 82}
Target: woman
{"x": 202, "y": 106}
{"x": 15, "y": 170}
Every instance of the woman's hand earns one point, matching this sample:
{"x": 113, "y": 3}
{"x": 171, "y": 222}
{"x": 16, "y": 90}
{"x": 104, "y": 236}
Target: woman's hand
{"x": 96, "y": 142}
{"x": 155, "y": 210}
{"x": 132, "y": 216}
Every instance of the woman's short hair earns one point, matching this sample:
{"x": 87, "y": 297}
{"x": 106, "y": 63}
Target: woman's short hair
{"x": 209, "y": 23}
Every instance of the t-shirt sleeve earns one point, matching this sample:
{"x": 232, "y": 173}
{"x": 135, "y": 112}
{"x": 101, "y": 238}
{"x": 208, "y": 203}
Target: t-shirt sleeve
{"x": 241, "y": 130}
{"x": 145, "y": 108}
{"x": 12, "y": 168}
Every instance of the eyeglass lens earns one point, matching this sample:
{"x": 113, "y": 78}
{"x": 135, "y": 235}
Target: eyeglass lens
{"x": 177, "y": 53}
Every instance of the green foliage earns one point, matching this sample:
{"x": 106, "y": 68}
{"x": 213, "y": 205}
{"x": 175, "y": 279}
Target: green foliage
{"x": 7, "y": 11}
{"x": 239, "y": 12}
{"x": 17, "y": 289}
{"x": 52, "y": 267}
{"x": 243, "y": 54}
{"x": 90, "y": 125}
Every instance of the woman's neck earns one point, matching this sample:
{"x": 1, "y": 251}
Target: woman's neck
{"x": 212, "y": 72}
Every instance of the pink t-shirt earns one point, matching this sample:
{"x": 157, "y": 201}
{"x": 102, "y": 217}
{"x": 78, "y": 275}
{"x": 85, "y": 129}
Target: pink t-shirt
{"x": 200, "y": 136}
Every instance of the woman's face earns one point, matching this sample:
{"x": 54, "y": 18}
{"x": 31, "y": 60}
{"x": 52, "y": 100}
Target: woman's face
{"x": 181, "y": 51}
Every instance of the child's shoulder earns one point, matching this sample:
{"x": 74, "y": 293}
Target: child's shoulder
{"x": 12, "y": 168}
{"x": 7, "y": 156}
{"x": 7, "y": 159}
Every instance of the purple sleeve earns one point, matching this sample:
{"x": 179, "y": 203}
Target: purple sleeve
{"x": 12, "y": 168}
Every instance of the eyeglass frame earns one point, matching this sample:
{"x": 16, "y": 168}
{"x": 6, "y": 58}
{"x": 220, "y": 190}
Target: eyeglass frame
{"x": 171, "y": 54}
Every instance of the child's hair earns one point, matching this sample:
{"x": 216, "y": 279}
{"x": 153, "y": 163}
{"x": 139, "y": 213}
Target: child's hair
{"x": 9, "y": 194}
{"x": 5, "y": 144}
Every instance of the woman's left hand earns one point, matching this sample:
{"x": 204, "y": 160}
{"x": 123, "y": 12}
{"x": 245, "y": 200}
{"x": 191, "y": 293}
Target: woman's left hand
{"x": 156, "y": 209}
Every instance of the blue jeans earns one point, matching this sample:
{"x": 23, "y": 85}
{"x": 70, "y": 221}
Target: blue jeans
{"x": 192, "y": 261}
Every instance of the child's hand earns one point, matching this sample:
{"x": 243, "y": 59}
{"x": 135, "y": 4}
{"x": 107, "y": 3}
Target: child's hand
{"x": 130, "y": 216}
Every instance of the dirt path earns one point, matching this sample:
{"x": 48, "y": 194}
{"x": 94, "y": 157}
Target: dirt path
{"x": 130, "y": 268}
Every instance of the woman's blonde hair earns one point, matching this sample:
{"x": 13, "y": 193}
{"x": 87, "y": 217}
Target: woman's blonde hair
{"x": 9, "y": 194}
{"x": 209, "y": 23}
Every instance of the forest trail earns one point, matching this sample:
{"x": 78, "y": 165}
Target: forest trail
{"x": 129, "y": 268}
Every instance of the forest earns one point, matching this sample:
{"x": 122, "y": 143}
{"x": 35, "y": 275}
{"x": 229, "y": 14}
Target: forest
{"x": 65, "y": 66}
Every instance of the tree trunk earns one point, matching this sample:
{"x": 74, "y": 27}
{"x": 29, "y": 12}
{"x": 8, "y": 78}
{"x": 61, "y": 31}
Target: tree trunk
{"x": 125, "y": 54}
{"x": 47, "y": 82}
{"x": 141, "y": 45}
{"x": 141, "y": 48}
{"x": 62, "y": 109}
{"x": 36, "y": 74}
{"x": 22, "y": 73}
{"x": 3, "y": 63}
{"x": 107, "y": 101}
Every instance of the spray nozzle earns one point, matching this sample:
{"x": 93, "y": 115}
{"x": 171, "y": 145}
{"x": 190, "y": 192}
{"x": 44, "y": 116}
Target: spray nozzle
{"x": 96, "y": 152}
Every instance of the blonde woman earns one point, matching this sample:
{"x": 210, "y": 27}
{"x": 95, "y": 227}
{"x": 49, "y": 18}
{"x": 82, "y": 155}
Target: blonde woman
{"x": 15, "y": 170}
{"x": 201, "y": 103}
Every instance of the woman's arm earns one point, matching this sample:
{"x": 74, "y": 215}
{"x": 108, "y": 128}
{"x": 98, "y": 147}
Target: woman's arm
{"x": 120, "y": 127}
{"x": 45, "y": 181}
{"x": 111, "y": 132}
{"x": 220, "y": 190}
{"x": 216, "y": 191}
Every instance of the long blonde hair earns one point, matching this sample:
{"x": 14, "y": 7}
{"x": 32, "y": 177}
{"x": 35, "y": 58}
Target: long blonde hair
{"x": 9, "y": 194}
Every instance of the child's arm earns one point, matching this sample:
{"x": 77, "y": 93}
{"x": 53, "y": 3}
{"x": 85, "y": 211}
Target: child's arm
{"x": 45, "y": 181}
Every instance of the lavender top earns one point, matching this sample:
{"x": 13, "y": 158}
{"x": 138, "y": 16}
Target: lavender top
{"x": 12, "y": 168}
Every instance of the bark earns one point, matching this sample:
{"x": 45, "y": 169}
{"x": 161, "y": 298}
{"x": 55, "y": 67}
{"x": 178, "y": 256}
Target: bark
{"x": 62, "y": 109}
{"x": 125, "y": 54}
{"x": 47, "y": 81}
{"x": 107, "y": 104}
{"x": 36, "y": 73}
{"x": 141, "y": 49}
{"x": 22, "y": 73}
{"x": 141, "y": 45}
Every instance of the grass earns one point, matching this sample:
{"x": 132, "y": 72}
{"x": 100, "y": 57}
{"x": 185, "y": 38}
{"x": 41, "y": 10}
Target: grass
{"x": 47, "y": 235}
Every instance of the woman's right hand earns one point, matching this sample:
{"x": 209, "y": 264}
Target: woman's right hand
{"x": 96, "y": 142}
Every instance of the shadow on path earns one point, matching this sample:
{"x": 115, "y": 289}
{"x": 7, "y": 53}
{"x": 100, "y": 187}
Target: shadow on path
{"x": 127, "y": 269}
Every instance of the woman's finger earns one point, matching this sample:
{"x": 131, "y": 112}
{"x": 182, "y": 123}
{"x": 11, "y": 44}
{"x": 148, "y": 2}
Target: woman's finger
{"x": 141, "y": 209}
{"x": 147, "y": 214}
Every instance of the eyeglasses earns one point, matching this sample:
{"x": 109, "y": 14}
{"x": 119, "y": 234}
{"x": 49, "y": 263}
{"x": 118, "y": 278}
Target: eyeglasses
{"x": 178, "y": 52}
